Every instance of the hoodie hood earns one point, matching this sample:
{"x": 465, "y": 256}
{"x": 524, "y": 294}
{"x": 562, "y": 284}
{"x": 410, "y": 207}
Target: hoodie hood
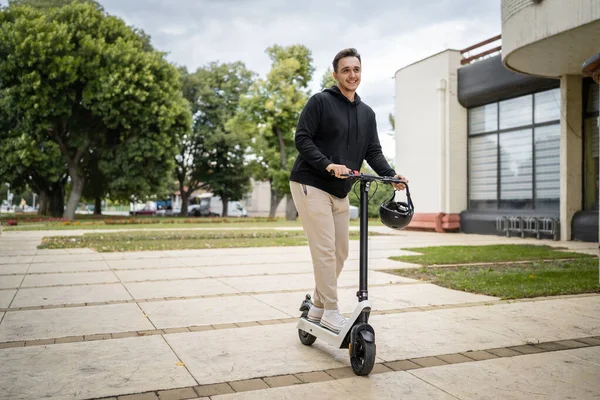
{"x": 335, "y": 90}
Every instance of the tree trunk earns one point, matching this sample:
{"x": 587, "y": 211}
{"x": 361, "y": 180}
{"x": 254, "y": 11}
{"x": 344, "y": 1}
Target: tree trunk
{"x": 98, "y": 205}
{"x": 290, "y": 208}
{"x": 77, "y": 182}
{"x": 275, "y": 200}
{"x": 225, "y": 201}
{"x": 52, "y": 201}
{"x": 185, "y": 198}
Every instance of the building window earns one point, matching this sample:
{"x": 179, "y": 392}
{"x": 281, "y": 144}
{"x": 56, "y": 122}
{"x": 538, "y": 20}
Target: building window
{"x": 483, "y": 164}
{"x": 514, "y": 153}
{"x": 516, "y": 180}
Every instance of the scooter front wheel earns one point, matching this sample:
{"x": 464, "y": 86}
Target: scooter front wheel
{"x": 363, "y": 359}
{"x": 306, "y": 338}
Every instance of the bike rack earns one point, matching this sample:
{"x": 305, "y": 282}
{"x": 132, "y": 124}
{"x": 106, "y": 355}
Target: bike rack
{"x": 537, "y": 226}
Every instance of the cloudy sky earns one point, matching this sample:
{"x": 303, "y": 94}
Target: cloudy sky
{"x": 389, "y": 34}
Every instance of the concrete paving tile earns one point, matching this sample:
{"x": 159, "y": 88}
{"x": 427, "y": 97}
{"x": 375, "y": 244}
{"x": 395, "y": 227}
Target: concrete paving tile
{"x": 246, "y": 353}
{"x": 162, "y": 289}
{"x": 60, "y": 258}
{"x": 11, "y": 260}
{"x": 10, "y": 281}
{"x": 382, "y": 298}
{"x": 392, "y": 386}
{"x": 261, "y": 268}
{"x": 303, "y": 281}
{"x": 61, "y": 322}
{"x": 411, "y": 335}
{"x": 145, "y": 263}
{"x": 69, "y": 278}
{"x": 6, "y": 297}
{"x": 557, "y": 375}
{"x": 316, "y": 376}
{"x": 91, "y": 369}
{"x": 210, "y": 311}
{"x": 503, "y": 352}
{"x": 6, "y": 269}
{"x": 248, "y": 385}
{"x": 71, "y": 266}
{"x": 428, "y": 361}
{"x": 591, "y": 341}
{"x": 69, "y": 295}
{"x": 479, "y": 355}
{"x": 534, "y": 322}
{"x": 282, "y": 380}
{"x": 143, "y": 396}
{"x": 213, "y": 389}
{"x": 158, "y": 274}
{"x": 177, "y": 394}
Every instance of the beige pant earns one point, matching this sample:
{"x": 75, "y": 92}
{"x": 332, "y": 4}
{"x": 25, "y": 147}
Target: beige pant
{"x": 325, "y": 219}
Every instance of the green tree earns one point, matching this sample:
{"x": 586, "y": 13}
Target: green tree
{"x": 269, "y": 114}
{"x": 48, "y": 4}
{"x": 85, "y": 81}
{"x": 327, "y": 80}
{"x": 213, "y": 156}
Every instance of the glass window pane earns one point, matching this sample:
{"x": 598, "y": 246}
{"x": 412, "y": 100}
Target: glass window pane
{"x": 516, "y": 168}
{"x": 516, "y": 112}
{"x": 547, "y": 106}
{"x": 547, "y": 166}
{"x": 483, "y": 167}
{"x": 483, "y": 119}
{"x": 593, "y": 98}
{"x": 590, "y": 171}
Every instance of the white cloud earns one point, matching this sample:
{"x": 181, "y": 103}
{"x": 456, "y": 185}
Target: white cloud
{"x": 389, "y": 34}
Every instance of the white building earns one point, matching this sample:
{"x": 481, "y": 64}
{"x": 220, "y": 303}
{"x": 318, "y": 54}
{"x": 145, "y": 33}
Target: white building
{"x": 509, "y": 132}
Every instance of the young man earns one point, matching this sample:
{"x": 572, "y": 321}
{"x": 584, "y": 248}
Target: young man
{"x": 336, "y": 132}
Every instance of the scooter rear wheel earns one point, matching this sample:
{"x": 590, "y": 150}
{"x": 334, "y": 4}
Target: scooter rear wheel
{"x": 363, "y": 359}
{"x": 306, "y": 338}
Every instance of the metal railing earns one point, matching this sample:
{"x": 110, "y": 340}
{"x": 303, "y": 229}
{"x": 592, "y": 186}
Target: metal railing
{"x": 523, "y": 226}
{"x": 467, "y": 58}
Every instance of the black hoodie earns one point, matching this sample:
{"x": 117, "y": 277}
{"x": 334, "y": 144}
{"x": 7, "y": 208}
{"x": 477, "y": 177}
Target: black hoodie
{"x": 332, "y": 129}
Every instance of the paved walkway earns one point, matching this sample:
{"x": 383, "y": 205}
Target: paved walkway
{"x": 220, "y": 324}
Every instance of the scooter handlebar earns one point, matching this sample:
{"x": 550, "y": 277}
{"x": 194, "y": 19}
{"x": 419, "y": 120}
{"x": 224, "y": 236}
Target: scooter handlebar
{"x": 370, "y": 178}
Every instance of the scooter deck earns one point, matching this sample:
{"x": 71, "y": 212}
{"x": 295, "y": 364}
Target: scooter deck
{"x": 330, "y": 337}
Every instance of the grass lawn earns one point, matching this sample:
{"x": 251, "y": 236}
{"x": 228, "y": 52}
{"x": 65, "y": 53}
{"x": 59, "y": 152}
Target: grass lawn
{"x": 565, "y": 273}
{"x": 85, "y": 222}
{"x": 176, "y": 240}
{"x": 485, "y": 254}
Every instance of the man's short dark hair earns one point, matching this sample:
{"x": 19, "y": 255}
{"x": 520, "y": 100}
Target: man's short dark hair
{"x": 351, "y": 52}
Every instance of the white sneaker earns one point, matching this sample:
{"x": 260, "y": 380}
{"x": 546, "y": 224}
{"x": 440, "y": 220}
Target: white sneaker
{"x": 333, "y": 320}
{"x": 315, "y": 314}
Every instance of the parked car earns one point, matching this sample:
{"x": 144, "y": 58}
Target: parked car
{"x": 144, "y": 211}
{"x": 212, "y": 206}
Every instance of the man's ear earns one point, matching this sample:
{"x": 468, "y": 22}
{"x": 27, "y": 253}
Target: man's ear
{"x": 335, "y": 76}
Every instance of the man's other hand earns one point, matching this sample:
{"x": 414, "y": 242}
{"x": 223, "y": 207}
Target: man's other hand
{"x": 400, "y": 186}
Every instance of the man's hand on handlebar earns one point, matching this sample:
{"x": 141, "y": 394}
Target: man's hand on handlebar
{"x": 338, "y": 170}
{"x": 400, "y": 186}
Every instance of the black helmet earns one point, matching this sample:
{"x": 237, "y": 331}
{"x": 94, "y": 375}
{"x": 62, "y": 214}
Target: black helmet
{"x": 397, "y": 214}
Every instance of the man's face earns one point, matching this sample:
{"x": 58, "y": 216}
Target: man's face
{"x": 348, "y": 73}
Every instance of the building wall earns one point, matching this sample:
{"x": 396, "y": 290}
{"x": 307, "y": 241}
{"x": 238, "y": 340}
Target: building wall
{"x": 549, "y": 37}
{"x": 525, "y": 22}
{"x": 258, "y": 202}
{"x": 431, "y": 133}
{"x": 457, "y": 125}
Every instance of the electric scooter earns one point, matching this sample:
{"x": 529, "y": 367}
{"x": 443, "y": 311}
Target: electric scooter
{"x": 357, "y": 335}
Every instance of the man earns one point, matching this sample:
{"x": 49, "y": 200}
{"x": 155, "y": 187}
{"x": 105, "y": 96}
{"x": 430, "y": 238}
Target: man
{"x": 335, "y": 133}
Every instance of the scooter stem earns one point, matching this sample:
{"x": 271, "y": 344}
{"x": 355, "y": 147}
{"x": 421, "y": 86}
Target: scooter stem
{"x": 362, "y": 293}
